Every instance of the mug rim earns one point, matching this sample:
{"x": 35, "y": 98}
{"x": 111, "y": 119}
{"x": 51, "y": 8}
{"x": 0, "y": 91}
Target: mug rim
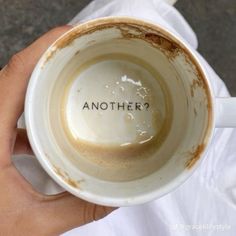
{"x": 80, "y": 30}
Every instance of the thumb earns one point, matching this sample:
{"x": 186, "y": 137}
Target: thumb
{"x": 64, "y": 212}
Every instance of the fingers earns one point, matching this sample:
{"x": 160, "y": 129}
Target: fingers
{"x": 22, "y": 145}
{"x": 66, "y": 212}
{"x": 14, "y": 79}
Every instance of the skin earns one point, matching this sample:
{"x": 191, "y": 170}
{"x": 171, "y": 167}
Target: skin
{"x": 23, "y": 211}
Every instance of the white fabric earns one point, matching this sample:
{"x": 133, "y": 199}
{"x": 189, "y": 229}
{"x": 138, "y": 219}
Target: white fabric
{"x": 205, "y": 203}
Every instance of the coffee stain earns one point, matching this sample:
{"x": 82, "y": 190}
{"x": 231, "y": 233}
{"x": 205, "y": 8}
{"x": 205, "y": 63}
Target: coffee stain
{"x": 77, "y": 32}
{"x": 139, "y": 31}
{"x": 67, "y": 39}
{"x": 209, "y": 106}
{"x": 157, "y": 40}
{"x": 72, "y": 183}
{"x": 196, "y": 83}
{"x": 195, "y": 111}
{"x": 48, "y": 56}
{"x": 195, "y": 156}
{"x": 165, "y": 43}
{"x": 67, "y": 178}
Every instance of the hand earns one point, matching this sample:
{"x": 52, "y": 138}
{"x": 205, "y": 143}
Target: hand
{"x": 23, "y": 211}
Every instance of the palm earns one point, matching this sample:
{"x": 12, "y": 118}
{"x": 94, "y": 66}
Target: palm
{"x": 29, "y": 210}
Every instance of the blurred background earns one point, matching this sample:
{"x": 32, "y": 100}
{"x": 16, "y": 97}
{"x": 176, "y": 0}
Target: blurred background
{"x": 214, "y": 22}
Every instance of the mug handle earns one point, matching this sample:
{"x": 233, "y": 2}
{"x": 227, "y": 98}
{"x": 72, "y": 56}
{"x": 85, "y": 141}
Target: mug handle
{"x": 226, "y": 112}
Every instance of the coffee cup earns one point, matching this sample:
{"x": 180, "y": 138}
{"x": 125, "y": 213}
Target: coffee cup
{"x": 120, "y": 111}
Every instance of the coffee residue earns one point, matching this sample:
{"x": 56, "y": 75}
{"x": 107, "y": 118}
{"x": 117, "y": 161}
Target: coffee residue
{"x": 144, "y": 32}
{"x": 195, "y": 156}
{"x": 67, "y": 178}
{"x": 196, "y": 84}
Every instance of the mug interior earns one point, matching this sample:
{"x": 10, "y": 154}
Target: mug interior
{"x": 188, "y": 111}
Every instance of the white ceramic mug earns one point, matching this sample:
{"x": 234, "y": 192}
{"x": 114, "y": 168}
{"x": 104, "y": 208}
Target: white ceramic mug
{"x": 195, "y": 110}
